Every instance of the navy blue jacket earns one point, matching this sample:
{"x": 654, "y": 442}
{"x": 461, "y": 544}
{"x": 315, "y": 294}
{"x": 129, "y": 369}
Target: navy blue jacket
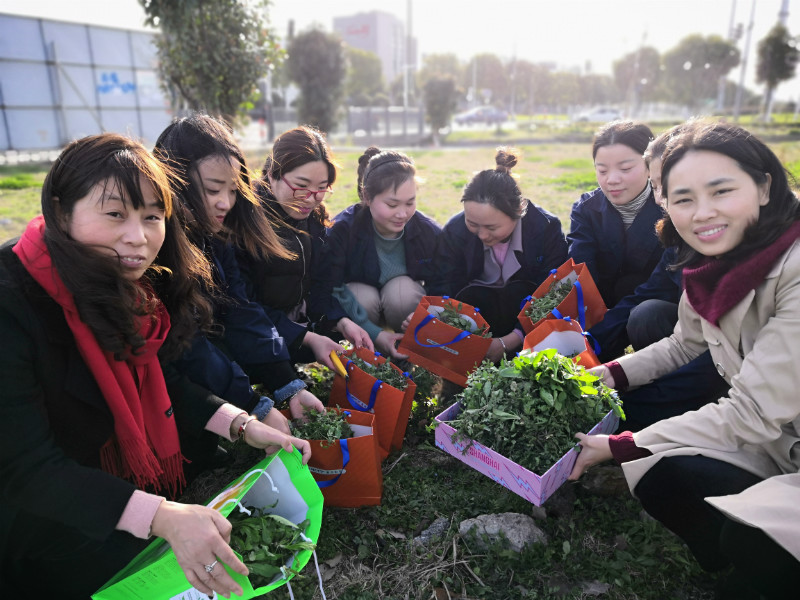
{"x": 249, "y": 338}
{"x": 618, "y": 259}
{"x": 351, "y": 253}
{"x": 278, "y": 284}
{"x": 663, "y": 284}
{"x": 459, "y": 255}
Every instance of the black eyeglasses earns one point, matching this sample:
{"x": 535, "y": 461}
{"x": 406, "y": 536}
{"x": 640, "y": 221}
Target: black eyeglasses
{"x": 304, "y": 193}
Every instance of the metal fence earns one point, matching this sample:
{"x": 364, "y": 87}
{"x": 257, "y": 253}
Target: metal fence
{"x": 61, "y": 81}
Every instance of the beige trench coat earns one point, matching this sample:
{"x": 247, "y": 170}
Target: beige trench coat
{"x": 757, "y": 427}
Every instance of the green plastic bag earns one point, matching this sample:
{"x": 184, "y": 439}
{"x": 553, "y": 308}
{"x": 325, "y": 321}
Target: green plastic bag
{"x": 155, "y": 574}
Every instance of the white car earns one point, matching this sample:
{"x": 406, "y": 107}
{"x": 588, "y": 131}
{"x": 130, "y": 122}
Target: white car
{"x": 601, "y": 114}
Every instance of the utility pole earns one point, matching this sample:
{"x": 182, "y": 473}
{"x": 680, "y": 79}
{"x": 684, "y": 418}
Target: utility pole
{"x": 737, "y": 105}
{"x": 722, "y": 81}
{"x": 407, "y": 58}
{"x": 783, "y": 16}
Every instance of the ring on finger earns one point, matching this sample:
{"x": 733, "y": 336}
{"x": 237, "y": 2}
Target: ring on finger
{"x": 210, "y": 568}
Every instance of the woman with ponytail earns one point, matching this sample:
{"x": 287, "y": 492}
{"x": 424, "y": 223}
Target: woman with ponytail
{"x": 96, "y": 291}
{"x": 378, "y": 262}
{"x": 497, "y": 251}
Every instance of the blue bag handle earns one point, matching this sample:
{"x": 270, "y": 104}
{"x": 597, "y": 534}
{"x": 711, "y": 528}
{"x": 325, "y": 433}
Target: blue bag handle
{"x": 355, "y": 402}
{"x": 581, "y": 308}
{"x": 340, "y": 472}
{"x": 589, "y": 337}
{"x": 427, "y": 320}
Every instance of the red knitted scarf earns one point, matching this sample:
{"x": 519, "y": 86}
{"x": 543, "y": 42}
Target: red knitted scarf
{"x": 144, "y": 448}
{"x": 715, "y": 287}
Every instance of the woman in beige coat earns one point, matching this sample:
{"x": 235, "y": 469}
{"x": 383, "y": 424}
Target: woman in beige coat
{"x": 726, "y": 477}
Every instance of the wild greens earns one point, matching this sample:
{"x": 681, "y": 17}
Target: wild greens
{"x": 328, "y": 427}
{"x": 555, "y": 295}
{"x": 529, "y": 408}
{"x": 452, "y": 316}
{"x": 266, "y": 542}
{"x": 385, "y": 372}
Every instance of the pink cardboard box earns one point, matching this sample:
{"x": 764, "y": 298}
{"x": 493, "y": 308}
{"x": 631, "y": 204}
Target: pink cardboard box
{"x": 534, "y": 488}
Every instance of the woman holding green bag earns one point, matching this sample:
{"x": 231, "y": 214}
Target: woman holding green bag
{"x": 92, "y": 296}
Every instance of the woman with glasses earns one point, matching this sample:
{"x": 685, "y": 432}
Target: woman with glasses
{"x": 381, "y": 250}
{"x": 296, "y": 179}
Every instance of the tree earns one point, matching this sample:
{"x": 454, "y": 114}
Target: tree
{"x": 440, "y": 102}
{"x": 692, "y": 69}
{"x": 638, "y": 74}
{"x": 486, "y": 72}
{"x": 438, "y": 65}
{"x": 317, "y": 65}
{"x": 364, "y": 81}
{"x": 777, "y": 60}
{"x": 212, "y": 52}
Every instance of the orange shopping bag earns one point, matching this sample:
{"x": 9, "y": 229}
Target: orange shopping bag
{"x": 445, "y": 350}
{"x": 567, "y": 337}
{"x": 348, "y": 471}
{"x": 583, "y": 302}
{"x": 361, "y": 391}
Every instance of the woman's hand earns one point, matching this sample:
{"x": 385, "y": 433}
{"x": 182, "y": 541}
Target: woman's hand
{"x": 407, "y": 321}
{"x": 594, "y": 449}
{"x": 271, "y": 440}
{"x": 385, "y": 344}
{"x": 322, "y": 347}
{"x": 199, "y": 536}
{"x": 354, "y": 334}
{"x": 276, "y": 420}
{"x": 302, "y": 401}
{"x": 604, "y": 373}
{"x": 496, "y": 351}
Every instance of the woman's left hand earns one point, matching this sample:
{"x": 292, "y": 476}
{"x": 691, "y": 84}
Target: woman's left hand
{"x": 322, "y": 347}
{"x": 302, "y": 401}
{"x": 270, "y": 439}
{"x": 594, "y": 449}
{"x": 276, "y": 420}
{"x": 355, "y": 334}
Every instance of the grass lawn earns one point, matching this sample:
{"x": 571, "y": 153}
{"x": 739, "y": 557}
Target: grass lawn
{"x": 600, "y": 545}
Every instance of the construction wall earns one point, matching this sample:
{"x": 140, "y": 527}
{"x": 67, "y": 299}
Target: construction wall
{"x": 61, "y": 81}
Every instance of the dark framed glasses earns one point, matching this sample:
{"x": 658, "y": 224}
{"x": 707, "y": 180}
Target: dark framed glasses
{"x": 304, "y": 193}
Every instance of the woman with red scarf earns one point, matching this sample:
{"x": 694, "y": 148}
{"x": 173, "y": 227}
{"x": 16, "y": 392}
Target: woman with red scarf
{"x": 94, "y": 293}
{"x": 725, "y": 477}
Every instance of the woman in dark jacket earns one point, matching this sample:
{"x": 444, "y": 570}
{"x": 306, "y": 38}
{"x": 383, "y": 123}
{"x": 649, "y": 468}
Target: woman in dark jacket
{"x": 497, "y": 251}
{"x": 613, "y": 227}
{"x": 296, "y": 179}
{"x": 379, "y": 253}
{"x": 222, "y": 213}
{"x": 92, "y": 295}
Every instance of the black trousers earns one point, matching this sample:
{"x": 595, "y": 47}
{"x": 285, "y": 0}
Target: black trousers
{"x": 674, "y": 491}
{"x": 48, "y": 560}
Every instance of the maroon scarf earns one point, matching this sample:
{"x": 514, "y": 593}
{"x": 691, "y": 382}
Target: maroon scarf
{"x": 715, "y": 287}
{"x": 144, "y": 447}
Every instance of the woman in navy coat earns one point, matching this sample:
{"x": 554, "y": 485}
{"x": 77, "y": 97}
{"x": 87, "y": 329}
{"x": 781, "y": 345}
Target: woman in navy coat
{"x": 613, "y": 227}
{"x": 378, "y": 262}
{"x": 497, "y": 251}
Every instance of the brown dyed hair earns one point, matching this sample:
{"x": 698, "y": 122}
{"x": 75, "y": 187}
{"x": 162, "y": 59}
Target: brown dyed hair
{"x": 295, "y": 148}
{"x": 108, "y": 302}
{"x": 183, "y": 145}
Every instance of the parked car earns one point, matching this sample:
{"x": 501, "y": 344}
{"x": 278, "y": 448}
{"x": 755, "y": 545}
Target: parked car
{"x": 490, "y": 115}
{"x": 600, "y": 114}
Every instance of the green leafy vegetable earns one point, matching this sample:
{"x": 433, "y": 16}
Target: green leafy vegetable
{"x": 384, "y": 372}
{"x": 454, "y": 317}
{"x": 266, "y": 542}
{"x": 328, "y": 427}
{"x": 555, "y": 295}
{"x": 529, "y": 408}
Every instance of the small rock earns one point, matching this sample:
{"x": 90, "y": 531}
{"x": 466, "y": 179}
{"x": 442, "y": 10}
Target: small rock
{"x": 605, "y": 480}
{"x": 518, "y": 530}
{"x": 437, "y": 529}
{"x": 539, "y": 513}
{"x": 595, "y": 588}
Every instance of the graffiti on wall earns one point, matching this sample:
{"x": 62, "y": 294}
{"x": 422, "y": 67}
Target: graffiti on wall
{"x": 110, "y": 83}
